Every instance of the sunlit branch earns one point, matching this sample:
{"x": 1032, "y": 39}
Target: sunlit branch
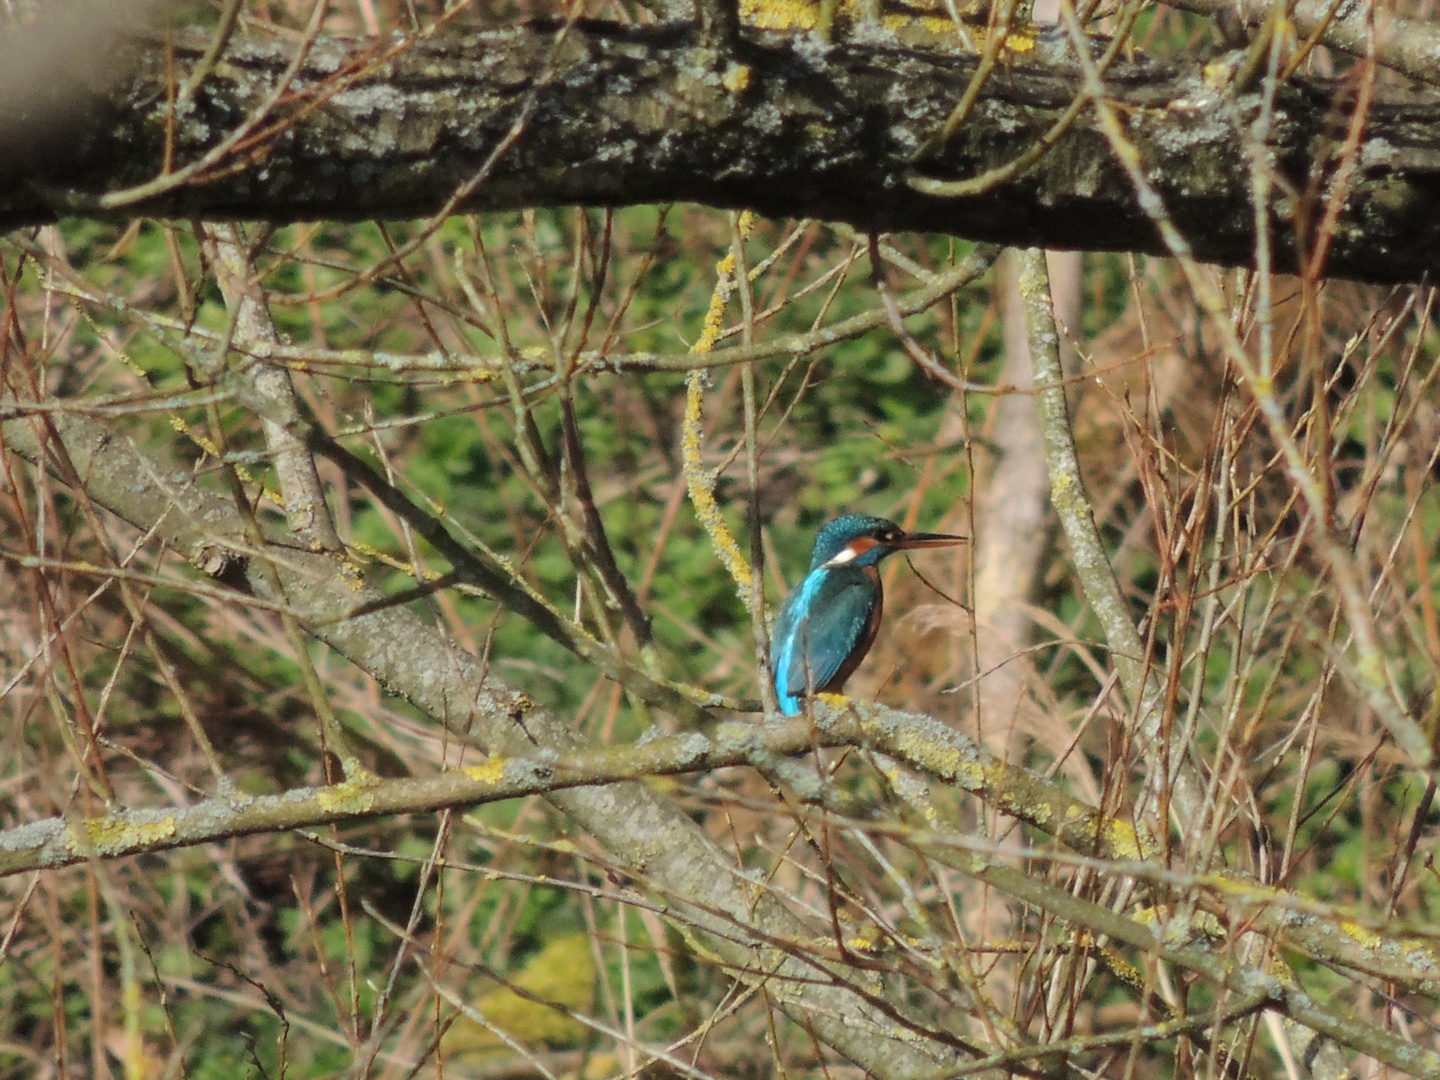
{"x": 601, "y": 115}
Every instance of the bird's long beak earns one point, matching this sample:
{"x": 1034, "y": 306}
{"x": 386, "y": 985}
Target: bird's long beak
{"x": 910, "y": 541}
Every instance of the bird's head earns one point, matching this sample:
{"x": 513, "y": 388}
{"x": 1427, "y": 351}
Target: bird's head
{"x": 862, "y": 540}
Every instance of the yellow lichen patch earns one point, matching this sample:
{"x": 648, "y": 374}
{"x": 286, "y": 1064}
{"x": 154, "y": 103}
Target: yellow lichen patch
{"x": 1281, "y": 971}
{"x": 1364, "y": 935}
{"x": 353, "y": 796}
{"x": 736, "y": 78}
{"x": 200, "y": 439}
{"x": 917, "y": 23}
{"x": 374, "y": 554}
{"x": 699, "y": 482}
{"x": 835, "y": 701}
{"x": 1022, "y": 39}
{"x": 970, "y": 775}
{"x": 112, "y": 834}
{"x": 203, "y": 441}
{"x": 930, "y": 24}
{"x": 491, "y": 772}
{"x": 931, "y": 20}
{"x": 1124, "y": 841}
{"x": 707, "y": 510}
{"x": 1122, "y": 969}
{"x": 939, "y": 760}
{"x": 780, "y": 14}
{"x": 353, "y": 574}
{"x": 720, "y": 296}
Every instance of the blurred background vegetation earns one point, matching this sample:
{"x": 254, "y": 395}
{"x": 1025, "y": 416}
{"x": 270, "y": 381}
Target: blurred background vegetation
{"x": 333, "y": 953}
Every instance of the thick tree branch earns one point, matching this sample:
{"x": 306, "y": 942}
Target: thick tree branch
{"x": 598, "y": 115}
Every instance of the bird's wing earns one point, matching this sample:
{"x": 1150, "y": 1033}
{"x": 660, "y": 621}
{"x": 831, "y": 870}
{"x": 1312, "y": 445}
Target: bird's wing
{"x": 839, "y": 602}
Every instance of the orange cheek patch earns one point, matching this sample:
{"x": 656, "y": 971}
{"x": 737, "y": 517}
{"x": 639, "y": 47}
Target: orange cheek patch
{"x": 862, "y": 544}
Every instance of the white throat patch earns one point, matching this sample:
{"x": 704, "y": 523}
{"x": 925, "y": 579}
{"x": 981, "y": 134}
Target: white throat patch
{"x": 841, "y": 557}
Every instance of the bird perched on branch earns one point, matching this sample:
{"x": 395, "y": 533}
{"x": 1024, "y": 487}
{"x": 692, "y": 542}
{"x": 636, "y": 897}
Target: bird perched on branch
{"x": 829, "y": 621}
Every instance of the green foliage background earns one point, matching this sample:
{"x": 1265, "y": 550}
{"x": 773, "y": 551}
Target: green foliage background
{"x": 346, "y": 952}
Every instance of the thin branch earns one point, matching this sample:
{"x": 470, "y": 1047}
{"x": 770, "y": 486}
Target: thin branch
{"x": 1092, "y": 565}
{"x": 1371, "y": 671}
{"x": 1410, "y": 46}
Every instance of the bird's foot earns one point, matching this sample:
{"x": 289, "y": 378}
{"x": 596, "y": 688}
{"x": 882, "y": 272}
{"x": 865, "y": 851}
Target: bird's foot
{"x": 835, "y": 701}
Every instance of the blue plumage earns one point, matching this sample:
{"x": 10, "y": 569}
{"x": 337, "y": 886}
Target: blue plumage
{"x": 829, "y": 621}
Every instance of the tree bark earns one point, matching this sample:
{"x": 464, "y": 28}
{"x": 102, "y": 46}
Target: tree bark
{"x": 783, "y": 124}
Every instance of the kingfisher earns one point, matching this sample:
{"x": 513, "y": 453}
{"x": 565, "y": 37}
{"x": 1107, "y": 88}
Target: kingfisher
{"x": 829, "y": 621}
